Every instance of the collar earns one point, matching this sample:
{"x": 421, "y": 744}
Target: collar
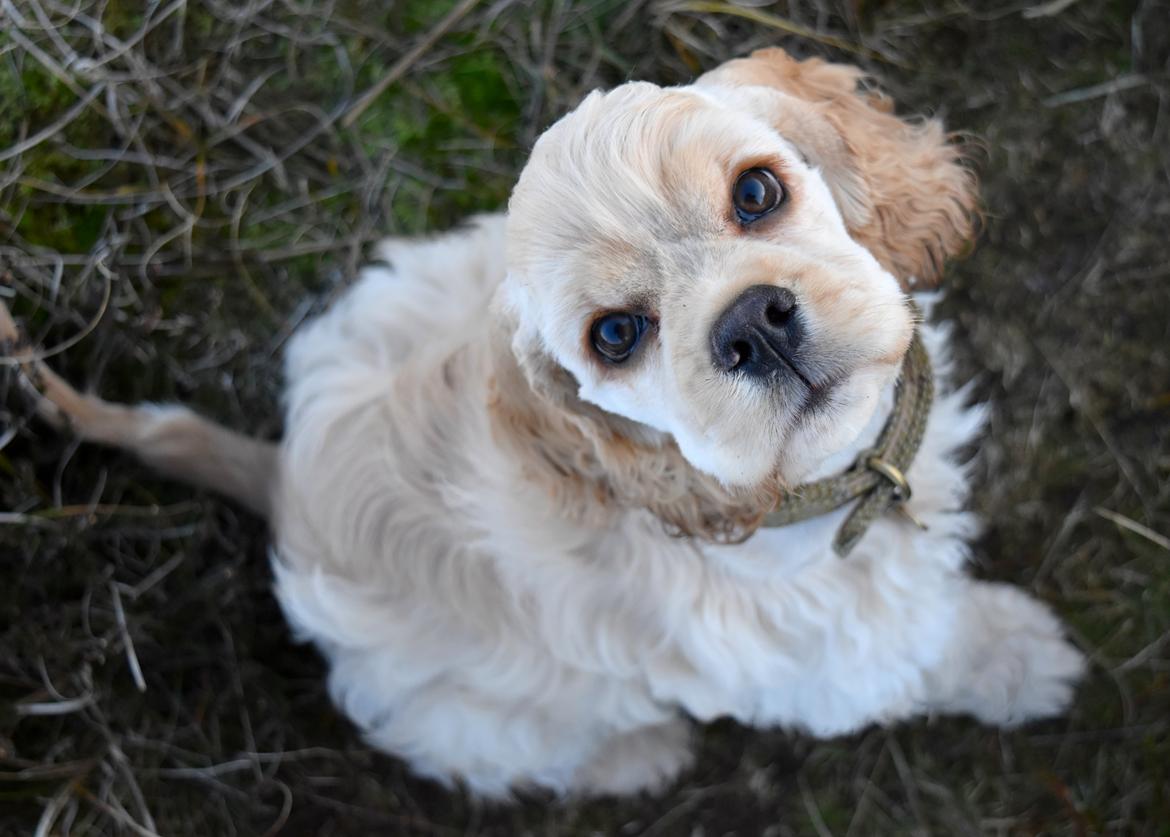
{"x": 878, "y": 477}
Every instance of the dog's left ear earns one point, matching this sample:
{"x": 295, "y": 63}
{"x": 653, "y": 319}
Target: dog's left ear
{"x": 901, "y": 186}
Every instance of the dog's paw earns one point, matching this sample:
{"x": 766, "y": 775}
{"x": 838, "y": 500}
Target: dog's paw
{"x": 644, "y": 760}
{"x": 1024, "y": 668}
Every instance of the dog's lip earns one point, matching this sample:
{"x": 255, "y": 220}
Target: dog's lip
{"x": 822, "y": 380}
{"x": 819, "y": 382}
{"x": 819, "y": 387}
{"x": 818, "y": 395}
{"x": 784, "y": 354}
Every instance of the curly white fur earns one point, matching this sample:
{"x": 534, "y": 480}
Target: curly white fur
{"x": 476, "y": 632}
{"x": 513, "y": 555}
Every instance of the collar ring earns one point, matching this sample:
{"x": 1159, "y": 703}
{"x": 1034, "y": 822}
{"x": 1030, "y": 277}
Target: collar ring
{"x": 875, "y": 463}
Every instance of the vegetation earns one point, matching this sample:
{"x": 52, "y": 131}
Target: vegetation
{"x": 182, "y": 179}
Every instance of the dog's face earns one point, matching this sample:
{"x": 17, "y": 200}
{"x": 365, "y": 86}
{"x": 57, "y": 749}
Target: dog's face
{"x": 696, "y": 258}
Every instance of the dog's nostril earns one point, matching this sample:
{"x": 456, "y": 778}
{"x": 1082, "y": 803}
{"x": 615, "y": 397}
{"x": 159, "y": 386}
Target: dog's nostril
{"x": 743, "y": 353}
{"x": 777, "y": 316}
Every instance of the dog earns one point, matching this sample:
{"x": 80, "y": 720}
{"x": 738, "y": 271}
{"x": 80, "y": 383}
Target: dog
{"x": 523, "y": 497}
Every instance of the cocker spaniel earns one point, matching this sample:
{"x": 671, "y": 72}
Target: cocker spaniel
{"x": 558, "y": 482}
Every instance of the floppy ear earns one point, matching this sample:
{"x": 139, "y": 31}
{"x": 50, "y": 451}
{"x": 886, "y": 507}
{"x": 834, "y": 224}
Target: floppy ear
{"x": 901, "y": 186}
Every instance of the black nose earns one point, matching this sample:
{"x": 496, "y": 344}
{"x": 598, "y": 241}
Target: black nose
{"x": 758, "y": 333}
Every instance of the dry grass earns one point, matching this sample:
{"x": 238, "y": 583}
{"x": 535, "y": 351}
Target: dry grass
{"x": 179, "y": 186}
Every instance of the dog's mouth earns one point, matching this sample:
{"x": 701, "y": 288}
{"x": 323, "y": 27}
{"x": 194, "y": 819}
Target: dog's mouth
{"x": 812, "y": 382}
{"x": 815, "y": 384}
{"x": 818, "y": 397}
{"x": 784, "y": 355}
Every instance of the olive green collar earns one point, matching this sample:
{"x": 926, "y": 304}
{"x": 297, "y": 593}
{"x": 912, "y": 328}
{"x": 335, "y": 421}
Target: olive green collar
{"x": 878, "y": 477}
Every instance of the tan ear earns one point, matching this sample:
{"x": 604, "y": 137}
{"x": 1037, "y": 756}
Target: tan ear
{"x": 901, "y": 185}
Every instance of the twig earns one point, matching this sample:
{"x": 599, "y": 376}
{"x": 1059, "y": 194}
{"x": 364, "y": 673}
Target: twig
{"x": 155, "y": 577}
{"x": 47, "y": 516}
{"x": 8, "y": 329}
{"x": 784, "y": 25}
{"x": 55, "y": 128}
{"x": 127, "y": 642}
{"x": 1082, "y": 94}
{"x": 902, "y": 767}
{"x": 54, "y": 707}
{"x": 53, "y": 810}
{"x": 117, "y": 814}
{"x": 1135, "y": 527}
{"x": 286, "y": 807}
{"x": 811, "y": 807}
{"x": 1049, "y": 9}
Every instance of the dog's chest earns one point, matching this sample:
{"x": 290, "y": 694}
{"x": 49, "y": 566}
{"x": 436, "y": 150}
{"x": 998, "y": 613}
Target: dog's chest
{"x": 488, "y": 556}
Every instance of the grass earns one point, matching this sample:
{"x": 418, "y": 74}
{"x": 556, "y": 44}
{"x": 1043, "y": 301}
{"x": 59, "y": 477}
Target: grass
{"x": 210, "y": 178}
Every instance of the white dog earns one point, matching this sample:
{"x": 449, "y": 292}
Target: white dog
{"x": 522, "y": 503}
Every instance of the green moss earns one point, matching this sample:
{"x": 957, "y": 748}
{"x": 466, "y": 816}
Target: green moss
{"x": 467, "y": 103}
{"x": 414, "y": 16}
{"x": 30, "y": 97}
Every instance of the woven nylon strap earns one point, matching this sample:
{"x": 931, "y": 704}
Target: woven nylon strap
{"x": 877, "y": 477}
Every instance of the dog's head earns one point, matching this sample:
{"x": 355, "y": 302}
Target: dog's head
{"x": 723, "y": 265}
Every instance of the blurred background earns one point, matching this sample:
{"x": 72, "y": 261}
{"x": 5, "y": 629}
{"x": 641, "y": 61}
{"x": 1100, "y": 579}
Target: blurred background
{"x": 182, "y": 183}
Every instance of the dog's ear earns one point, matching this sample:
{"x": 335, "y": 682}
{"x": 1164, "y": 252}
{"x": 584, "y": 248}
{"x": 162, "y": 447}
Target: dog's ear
{"x": 902, "y": 186}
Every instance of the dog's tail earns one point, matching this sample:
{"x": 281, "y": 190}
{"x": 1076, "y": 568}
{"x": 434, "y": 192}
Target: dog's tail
{"x": 172, "y": 439}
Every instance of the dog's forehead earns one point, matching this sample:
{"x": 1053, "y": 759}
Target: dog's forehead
{"x": 628, "y": 176}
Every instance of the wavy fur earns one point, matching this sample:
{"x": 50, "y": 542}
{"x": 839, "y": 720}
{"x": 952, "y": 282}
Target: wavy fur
{"x": 526, "y": 567}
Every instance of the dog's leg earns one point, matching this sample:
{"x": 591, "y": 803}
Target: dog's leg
{"x": 854, "y": 643}
{"x": 1009, "y": 660}
{"x": 643, "y": 760}
{"x": 170, "y": 438}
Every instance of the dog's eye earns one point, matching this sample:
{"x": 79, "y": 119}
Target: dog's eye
{"x": 615, "y": 336}
{"x": 757, "y": 192}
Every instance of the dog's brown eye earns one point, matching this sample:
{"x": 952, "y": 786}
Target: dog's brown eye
{"x": 757, "y": 192}
{"x": 615, "y": 336}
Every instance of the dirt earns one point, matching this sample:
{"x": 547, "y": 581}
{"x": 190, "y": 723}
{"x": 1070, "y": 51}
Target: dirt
{"x": 210, "y": 190}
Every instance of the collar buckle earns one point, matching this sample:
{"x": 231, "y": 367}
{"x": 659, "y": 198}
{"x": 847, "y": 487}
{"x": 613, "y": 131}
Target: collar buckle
{"x": 885, "y": 468}
{"x": 902, "y": 492}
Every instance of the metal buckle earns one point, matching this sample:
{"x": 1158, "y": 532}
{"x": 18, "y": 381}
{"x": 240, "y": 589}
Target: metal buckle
{"x": 894, "y": 474}
{"x": 902, "y": 492}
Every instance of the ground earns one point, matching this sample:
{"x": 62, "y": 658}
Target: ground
{"x": 181, "y": 185}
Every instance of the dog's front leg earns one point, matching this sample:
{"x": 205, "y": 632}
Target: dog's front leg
{"x": 858, "y": 642}
{"x": 949, "y": 644}
{"x": 1008, "y": 661}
